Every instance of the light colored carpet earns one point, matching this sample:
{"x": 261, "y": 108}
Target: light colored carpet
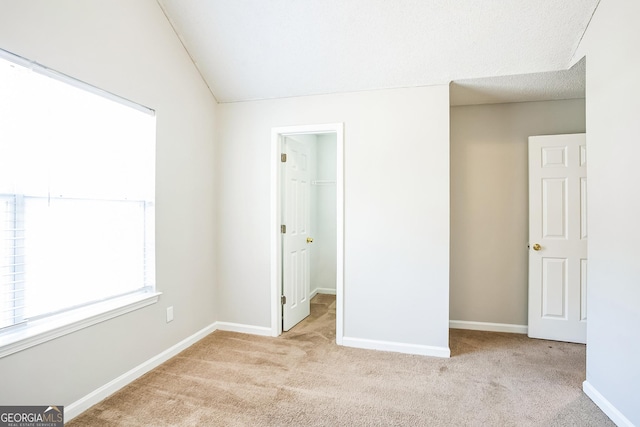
{"x": 304, "y": 379}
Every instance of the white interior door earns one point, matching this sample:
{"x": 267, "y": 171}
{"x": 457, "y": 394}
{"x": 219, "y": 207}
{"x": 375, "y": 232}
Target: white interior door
{"x": 296, "y": 238}
{"x": 558, "y": 237}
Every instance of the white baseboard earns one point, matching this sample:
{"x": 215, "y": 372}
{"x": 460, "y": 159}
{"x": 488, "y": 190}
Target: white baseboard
{"x": 490, "y": 327}
{"x": 326, "y": 291}
{"x": 423, "y": 350}
{"x": 606, "y": 406}
{"x": 84, "y": 403}
{"x": 244, "y": 329}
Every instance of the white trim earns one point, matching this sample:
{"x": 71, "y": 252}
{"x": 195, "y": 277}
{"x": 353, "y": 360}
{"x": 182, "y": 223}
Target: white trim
{"x": 340, "y": 233}
{"x": 491, "y": 327}
{"x": 276, "y": 244}
{"x": 324, "y": 291}
{"x": 276, "y": 241}
{"x": 398, "y": 347}
{"x": 84, "y": 403}
{"x": 606, "y": 406}
{"x": 52, "y": 327}
{"x": 243, "y": 329}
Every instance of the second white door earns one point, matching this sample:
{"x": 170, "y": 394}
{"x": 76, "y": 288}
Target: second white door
{"x": 558, "y": 237}
{"x": 296, "y": 272}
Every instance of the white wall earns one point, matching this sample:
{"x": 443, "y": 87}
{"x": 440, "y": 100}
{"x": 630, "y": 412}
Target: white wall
{"x": 489, "y": 204}
{"x": 396, "y": 210}
{"x": 323, "y": 206}
{"x": 128, "y": 48}
{"x": 613, "y": 128}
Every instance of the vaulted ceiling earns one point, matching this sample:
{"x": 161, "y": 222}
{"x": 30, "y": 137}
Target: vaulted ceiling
{"x": 493, "y": 50}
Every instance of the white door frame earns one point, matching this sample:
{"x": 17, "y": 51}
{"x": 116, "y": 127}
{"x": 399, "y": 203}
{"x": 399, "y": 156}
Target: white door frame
{"x": 276, "y": 214}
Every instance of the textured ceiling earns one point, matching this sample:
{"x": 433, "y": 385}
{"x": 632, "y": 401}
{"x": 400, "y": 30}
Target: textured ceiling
{"x": 260, "y": 49}
{"x": 553, "y": 85}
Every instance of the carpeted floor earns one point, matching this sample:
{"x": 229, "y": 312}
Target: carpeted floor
{"x": 304, "y": 379}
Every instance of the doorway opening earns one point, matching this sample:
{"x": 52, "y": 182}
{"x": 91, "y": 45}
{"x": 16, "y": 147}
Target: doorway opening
{"x": 300, "y": 155}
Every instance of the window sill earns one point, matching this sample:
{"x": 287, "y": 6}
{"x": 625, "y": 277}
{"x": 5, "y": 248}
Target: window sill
{"x": 43, "y": 330}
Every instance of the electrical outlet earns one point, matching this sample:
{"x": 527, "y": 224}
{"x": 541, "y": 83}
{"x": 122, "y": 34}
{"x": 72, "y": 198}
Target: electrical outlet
{"x": 169, "y": 314}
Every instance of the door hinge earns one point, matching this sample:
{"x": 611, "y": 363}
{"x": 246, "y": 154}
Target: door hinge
{"x": 283, "y": 300}
{"x": 283, "y": 229}
{"x": 283, "y": 157}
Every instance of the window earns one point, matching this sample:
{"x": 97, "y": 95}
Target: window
{"x": 77, "y": 170}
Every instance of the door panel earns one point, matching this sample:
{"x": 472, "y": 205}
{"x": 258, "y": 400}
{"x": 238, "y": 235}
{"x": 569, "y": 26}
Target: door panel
{"x": 554, "y": 208}
{"x": 554, "y": 287}
{"x": 296, "y": 218}
{"x": 557, "y": 237}
{"x": 583, "y": 290}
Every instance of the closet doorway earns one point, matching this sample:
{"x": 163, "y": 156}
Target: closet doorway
{"x": 307, "y": 198}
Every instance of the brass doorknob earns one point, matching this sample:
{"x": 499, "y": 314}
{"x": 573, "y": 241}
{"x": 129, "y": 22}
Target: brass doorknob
{"x": 537, "y": 247}
{"x": 309, "y": 239}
